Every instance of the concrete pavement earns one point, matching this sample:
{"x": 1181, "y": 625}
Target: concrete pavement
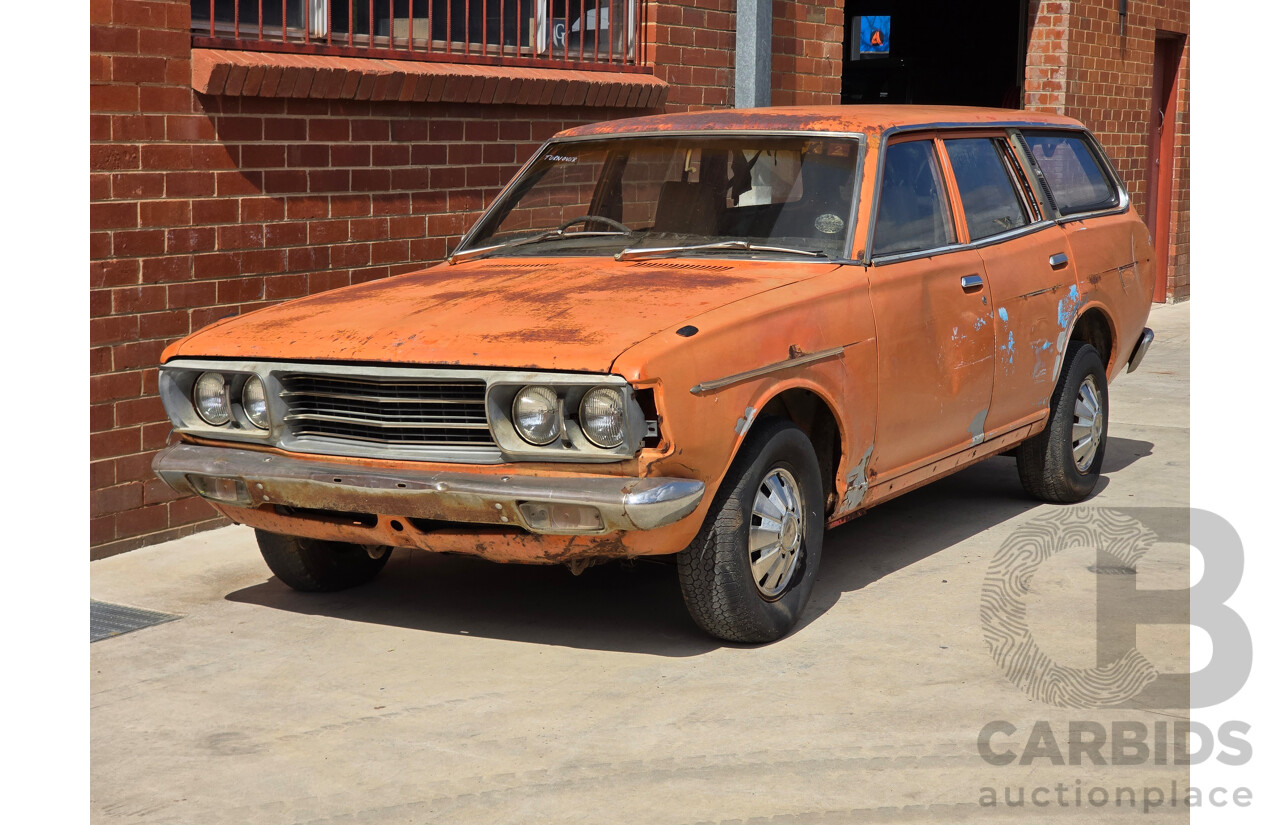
{"x": 454, "y": 690}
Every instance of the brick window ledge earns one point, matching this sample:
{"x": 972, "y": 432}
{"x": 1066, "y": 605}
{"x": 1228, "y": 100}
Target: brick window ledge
{"x": 267, "y": 74}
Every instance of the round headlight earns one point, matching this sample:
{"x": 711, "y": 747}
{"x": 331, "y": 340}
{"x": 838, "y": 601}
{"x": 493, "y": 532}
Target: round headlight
{"x": 254, "y": 400}
{"x": 211, "y": 399}
{"x": 603, "y": 417}
{"x": 536, "y": 415}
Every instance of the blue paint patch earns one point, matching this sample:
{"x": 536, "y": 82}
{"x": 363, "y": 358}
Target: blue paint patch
{"x": 1046, "y": 345}
{"x": 1067, "y": 306}
{"x": 977, "y": 427}
{"x": 979, "y": 324}
{"x": 1004, "y": 314}
{"x": 1006, "y": 351}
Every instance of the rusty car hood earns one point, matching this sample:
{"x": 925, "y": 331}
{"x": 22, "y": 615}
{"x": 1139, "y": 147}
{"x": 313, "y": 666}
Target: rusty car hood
{"x": 570, "y": 314}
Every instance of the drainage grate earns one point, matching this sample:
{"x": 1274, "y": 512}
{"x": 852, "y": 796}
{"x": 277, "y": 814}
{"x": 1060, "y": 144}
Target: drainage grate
{"x": 1113, "y": 570}
{"x": 107, "y": 620}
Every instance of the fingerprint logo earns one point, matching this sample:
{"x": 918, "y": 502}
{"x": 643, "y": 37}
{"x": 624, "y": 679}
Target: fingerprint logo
{"x": 1004, "y": 608}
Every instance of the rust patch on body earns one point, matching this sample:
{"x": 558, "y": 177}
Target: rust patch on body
{"x": 858, "y": 483}
{"x": 869, "y": 120}
{"x": 492, "y": 314}
{"x": 499, "y": 544}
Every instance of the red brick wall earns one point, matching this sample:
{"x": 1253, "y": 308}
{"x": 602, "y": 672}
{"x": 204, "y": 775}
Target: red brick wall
{"x": 692, "y": 49}
{"x": 205, "y": 206}
{"x": 808, "y": 42}
{"x": 1078, "y": 64}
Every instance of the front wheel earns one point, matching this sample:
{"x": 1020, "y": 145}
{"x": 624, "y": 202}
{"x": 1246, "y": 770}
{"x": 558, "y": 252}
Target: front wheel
{"x": 1063, "y": 463}
{"x": 314, "y": 565}
{"x": 748, "y": 574}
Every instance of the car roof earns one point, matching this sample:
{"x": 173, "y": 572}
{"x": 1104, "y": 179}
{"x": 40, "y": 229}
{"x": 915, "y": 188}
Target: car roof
{"x": 873, "y": 119}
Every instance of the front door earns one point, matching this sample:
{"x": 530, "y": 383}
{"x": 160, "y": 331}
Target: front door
{"x": 933, "y": 316}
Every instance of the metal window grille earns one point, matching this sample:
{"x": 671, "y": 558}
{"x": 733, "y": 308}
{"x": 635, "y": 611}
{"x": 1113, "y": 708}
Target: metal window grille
{"x": 578, "y": 34}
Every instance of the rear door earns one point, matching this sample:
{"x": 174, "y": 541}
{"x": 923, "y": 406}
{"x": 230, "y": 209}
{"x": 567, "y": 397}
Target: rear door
{"x": 1028, "y": 271}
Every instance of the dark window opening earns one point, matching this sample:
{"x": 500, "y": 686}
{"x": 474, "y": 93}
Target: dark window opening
{"x": 934, "y": 52}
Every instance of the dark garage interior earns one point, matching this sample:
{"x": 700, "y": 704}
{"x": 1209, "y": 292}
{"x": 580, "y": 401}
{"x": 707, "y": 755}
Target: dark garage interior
{"x": 934, "y": 52}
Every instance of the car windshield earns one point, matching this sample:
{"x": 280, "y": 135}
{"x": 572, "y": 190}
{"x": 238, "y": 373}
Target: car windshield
{"x": 720, "y": 195}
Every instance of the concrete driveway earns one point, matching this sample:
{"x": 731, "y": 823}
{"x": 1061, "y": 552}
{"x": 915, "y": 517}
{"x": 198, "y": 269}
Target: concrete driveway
{"x": 454, "y": 690}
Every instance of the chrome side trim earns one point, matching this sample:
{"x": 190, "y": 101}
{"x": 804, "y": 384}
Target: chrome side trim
{"x": 898, "y": 257}
{"x": 266, "y": 478}
{"x": 721, "y": 383}
{"x": 1140, "y": 349}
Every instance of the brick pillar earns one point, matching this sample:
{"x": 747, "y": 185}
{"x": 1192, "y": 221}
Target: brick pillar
{"x": 1047, "y": 57}
{"x": 808, "y": 36}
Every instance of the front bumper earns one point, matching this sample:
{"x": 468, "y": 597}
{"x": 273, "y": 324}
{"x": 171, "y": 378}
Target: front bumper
{"x": 249, "y": 478}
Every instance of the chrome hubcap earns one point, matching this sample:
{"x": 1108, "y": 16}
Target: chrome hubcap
{"x": 1086, "y": 431}
{"x": 777, "y": 531}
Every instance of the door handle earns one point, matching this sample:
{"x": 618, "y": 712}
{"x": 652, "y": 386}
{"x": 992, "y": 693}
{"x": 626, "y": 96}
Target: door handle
{"x": 1058, "y": 261}
{"x": 971, "y": 281}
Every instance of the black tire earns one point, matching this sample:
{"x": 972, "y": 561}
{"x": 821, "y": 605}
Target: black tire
{"x": 715, "y": 571}
{"x": 1047, "y": 466}
{"x": 312, "y": 565}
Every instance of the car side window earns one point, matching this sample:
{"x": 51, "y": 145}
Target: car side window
{"x": 913, "y": 214}
{"x": 1073, "y": 172}
{"x": 991, "y": 204}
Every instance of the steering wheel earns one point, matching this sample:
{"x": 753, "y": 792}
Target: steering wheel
{"x": 619, "y": 225}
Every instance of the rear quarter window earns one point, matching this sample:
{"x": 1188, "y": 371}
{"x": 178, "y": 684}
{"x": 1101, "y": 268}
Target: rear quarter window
{"x": 1072, "y": 171}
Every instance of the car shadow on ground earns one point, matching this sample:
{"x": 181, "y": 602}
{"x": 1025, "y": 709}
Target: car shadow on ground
{"x": 1121, "y": 452}
{"x": 637, "y": 608}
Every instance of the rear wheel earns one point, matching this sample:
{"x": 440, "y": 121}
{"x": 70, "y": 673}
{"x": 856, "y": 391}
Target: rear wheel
{"x": 1063, "y": 463}
{"x": 314, "y": 565}
{"x": 748, "y": 574}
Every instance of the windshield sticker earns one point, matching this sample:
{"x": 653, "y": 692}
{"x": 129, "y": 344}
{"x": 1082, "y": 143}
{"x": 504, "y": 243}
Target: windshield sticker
{"x": 562, "y": 158}
{"x": 828, "y": 223}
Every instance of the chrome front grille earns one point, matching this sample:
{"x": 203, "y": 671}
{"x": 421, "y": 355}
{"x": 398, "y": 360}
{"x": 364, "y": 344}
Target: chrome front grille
{"x": 396, "y": 412}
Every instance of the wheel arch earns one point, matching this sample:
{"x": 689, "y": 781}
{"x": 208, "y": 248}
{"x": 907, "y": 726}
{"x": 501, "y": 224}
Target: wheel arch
{"x": 1095, "y": 326}
{"x": 809, "y": 408}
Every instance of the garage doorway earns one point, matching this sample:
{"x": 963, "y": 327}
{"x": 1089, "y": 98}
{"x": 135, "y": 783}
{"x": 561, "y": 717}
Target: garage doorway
{"x": 935, "y": 52}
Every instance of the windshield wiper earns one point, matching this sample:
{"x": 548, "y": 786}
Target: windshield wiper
{"x": 641, "y": 253}
{"x": 480, "y": 252}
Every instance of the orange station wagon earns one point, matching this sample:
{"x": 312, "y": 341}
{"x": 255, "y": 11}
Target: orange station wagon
{"x": 712, "y": 335}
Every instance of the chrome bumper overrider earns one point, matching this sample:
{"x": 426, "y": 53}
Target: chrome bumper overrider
{"x": 249, "y": 478}
{"x": 1140, "y": 350}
